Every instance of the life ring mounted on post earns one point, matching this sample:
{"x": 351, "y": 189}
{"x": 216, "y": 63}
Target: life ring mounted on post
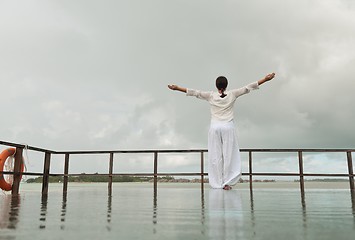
{"x": 4, "y": 185}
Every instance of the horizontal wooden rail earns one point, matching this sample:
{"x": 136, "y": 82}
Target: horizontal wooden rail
{"x": 16, "y": 145}
{"x": 304, "y": 174}
{"x": 183, "y": 174}
{"x": 123, "y": 174}
{"x": 315, "y": 150}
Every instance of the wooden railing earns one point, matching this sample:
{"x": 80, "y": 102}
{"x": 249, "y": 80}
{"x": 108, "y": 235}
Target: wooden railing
{"x": 110, "y": 155}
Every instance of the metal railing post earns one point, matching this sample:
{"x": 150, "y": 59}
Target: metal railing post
{"x": 155, "y": 168}
{"x": 46, "y": 168}
{"x": 202, "y": 169}
{"x": 17, "y": 171}
{"x": 350, "y": 170}
{"x": 300, "y": 165}
{"x": 66, "y": 171}
{"x": 250, "y": 171}
{"x": 110, "y": 175}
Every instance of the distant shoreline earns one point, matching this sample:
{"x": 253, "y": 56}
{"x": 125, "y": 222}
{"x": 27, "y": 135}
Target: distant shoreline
{"x": 279, "y": 185}
{"x": 169, "y": 179}
{"x": 266, "y": 183}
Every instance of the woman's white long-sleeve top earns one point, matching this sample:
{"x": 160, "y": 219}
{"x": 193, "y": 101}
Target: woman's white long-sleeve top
{"x": 222, "y": 108}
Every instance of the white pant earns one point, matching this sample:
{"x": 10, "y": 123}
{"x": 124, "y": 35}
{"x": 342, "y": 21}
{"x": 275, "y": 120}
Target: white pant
{"x": 224, "y": 162}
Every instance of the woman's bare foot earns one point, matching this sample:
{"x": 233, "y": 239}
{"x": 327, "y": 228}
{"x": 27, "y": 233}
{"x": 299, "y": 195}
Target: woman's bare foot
{"x": 227, "y": 187}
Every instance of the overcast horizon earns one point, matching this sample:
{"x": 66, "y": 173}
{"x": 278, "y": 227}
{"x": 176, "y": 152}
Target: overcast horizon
{"x": 93, "y": 75}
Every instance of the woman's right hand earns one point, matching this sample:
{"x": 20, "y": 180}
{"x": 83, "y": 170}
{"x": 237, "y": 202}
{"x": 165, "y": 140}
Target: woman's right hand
{"x": 269, "y": 76}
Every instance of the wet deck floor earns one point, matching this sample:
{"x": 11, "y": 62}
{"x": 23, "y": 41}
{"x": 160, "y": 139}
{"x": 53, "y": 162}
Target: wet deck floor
{"x": 176, "y": 211}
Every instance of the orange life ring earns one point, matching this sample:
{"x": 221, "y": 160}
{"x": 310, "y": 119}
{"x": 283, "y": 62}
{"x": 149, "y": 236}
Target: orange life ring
{"x": 3, "y": 156}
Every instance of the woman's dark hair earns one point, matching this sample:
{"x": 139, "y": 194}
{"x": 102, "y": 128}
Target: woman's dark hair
{"x": 221, "y": 84}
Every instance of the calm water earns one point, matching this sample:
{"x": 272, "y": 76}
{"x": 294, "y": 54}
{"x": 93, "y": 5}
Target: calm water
{"x": 175, "y": 211}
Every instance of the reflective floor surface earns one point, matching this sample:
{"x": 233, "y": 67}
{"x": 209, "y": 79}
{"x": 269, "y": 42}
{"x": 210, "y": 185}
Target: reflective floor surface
{"x": 176, "y": 211}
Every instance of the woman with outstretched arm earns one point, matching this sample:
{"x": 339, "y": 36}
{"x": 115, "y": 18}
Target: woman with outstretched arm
{"x": 224, "y": 161}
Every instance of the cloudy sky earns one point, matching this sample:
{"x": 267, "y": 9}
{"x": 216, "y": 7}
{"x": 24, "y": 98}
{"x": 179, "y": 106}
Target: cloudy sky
{"x": 93, "y": 75}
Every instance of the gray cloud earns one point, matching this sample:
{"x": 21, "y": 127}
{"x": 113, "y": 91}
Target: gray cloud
{"x": 90, "y": 75}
